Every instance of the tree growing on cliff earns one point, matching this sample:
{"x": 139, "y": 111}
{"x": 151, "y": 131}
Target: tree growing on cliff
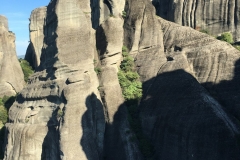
{"x": 129, "y": 78}
{"x": 227, "y": 37}
{"x": 26, "y": 68}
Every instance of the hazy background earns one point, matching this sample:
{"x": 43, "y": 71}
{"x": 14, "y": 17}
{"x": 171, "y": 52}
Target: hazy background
{"x": 18, "y": 13}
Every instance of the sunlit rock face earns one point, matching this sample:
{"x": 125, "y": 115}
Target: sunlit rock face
{"x": 62, "y": 97}
{"x": 190, "y": 105}
{"x": 36, "y": 27}
{"x": 11, "y": 75}
{"x": 216, "y": 16}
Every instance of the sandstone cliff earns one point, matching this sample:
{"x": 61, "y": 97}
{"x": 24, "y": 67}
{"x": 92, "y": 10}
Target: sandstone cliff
{"x": 216, "y": 16}
{"x": 11, "y": 75}
{"x": 190, "y": 105}
{"x": 37, "y": 20}
{"x": 60, "y": 112}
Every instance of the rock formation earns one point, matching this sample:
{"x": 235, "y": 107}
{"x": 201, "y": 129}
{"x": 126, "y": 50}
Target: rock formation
{"x": 190, "y": 105}
{"x": 60, "y": 112}
{"x": 11, "y": 75}
{"x": 37, "y": 20}
{"x": 216, "y": 16}
{"x": 174, "y": 102}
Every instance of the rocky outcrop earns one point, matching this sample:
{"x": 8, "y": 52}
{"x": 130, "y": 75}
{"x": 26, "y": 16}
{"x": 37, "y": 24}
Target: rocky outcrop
{"x": 190, "y": 104}
{"x": 60, "y": 112}
{"x": 37, "y": 20}
{"x": 179, "y": 116}
{"x": 212, "y": 15}
{"x": 11, "y": 79}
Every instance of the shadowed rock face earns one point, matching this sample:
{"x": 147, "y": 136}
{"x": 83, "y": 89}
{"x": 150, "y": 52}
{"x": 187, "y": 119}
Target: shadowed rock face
{"x": 217, "y": 16}
{"x": 66, "y": 83}
{"x": 178, "y": 115}
{"x": 37, "y": 20}
{"x": 190, "y": 105}
{"x": 11, "y": 75}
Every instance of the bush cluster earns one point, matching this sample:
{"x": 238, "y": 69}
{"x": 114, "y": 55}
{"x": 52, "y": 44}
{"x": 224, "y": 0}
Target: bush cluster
{"x": 5, "y": 103}
{"x": 129, "y": 78}
{"x": 26, "y": 68}
{"x": 132, "y": 93}
{"x": 227, "y": 37}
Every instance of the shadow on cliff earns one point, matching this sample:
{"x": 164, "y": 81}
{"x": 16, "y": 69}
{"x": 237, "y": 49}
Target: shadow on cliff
{"x": 49, "y": 49}
{"x": 101, "y": 140}
{"x": 228, "y": 92}
{"x": 50, "y": 146}
{"x": 93, "y": 126}
{"x": 179, "y": 117}
{"x": 183, "y": 121}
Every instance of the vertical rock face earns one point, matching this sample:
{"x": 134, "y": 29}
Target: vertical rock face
{"x": 60, "y": 113}
{"x": 11, "y": 75}
{"x": 176, "y": 110}
{"x": 217, "y": 16}
{"x": 37, "y": 20}
{"x": 190, "y": 105}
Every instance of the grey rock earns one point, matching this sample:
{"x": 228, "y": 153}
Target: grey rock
{"x": 37, "y": 20}
{"x": 62, "y": 84}
{"x": 82, "y": 115}
{"x": 213, "y": 15}
{"x": 11, "y": 75}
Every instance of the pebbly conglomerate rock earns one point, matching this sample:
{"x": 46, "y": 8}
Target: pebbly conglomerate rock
{"x": 190, "y": 105}
{"x": 11, "y": 75}
{"x": 216, "y": 16}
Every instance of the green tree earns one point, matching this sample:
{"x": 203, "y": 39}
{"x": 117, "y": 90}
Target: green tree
{"x": 129, "y": 78}
{"x": 26, "y": 68}
{"x": 227, "y": 37}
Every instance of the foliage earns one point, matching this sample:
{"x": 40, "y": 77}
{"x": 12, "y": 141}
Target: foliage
{"x": 5, "y": 103}
{"x": 132, "y": 92}
{"x": 97, "y": 70}
{"x": 26, "y": 68}
{"x": 59, "y": 113}
{"x": 124, "y": 14}
{"x": 128, "y": 78}
{"x": 227, "y": 37}
{"x": 3, "y": 114}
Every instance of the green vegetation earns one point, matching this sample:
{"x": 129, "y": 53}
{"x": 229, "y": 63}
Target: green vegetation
{"x": 26, "y": 68}
{"x": 129, "y": 78}
{"x": 59, "y": 113}
{"x": 132, "y": 92}
{"x": 5, "y": 103}
{"x": 227, "y": 37}
{"x": 124, "y": 14}
{"x": 97, "y": 70}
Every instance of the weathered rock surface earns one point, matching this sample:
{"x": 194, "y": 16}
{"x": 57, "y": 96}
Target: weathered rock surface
{"x": 62, "y": 97}
{"x": 11, "y": 75}
{"x": 37, "y": 20}
{"x": 178, "y": 115}
{"x": 217, "y": 16}
{"x": 190, "y": 105}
